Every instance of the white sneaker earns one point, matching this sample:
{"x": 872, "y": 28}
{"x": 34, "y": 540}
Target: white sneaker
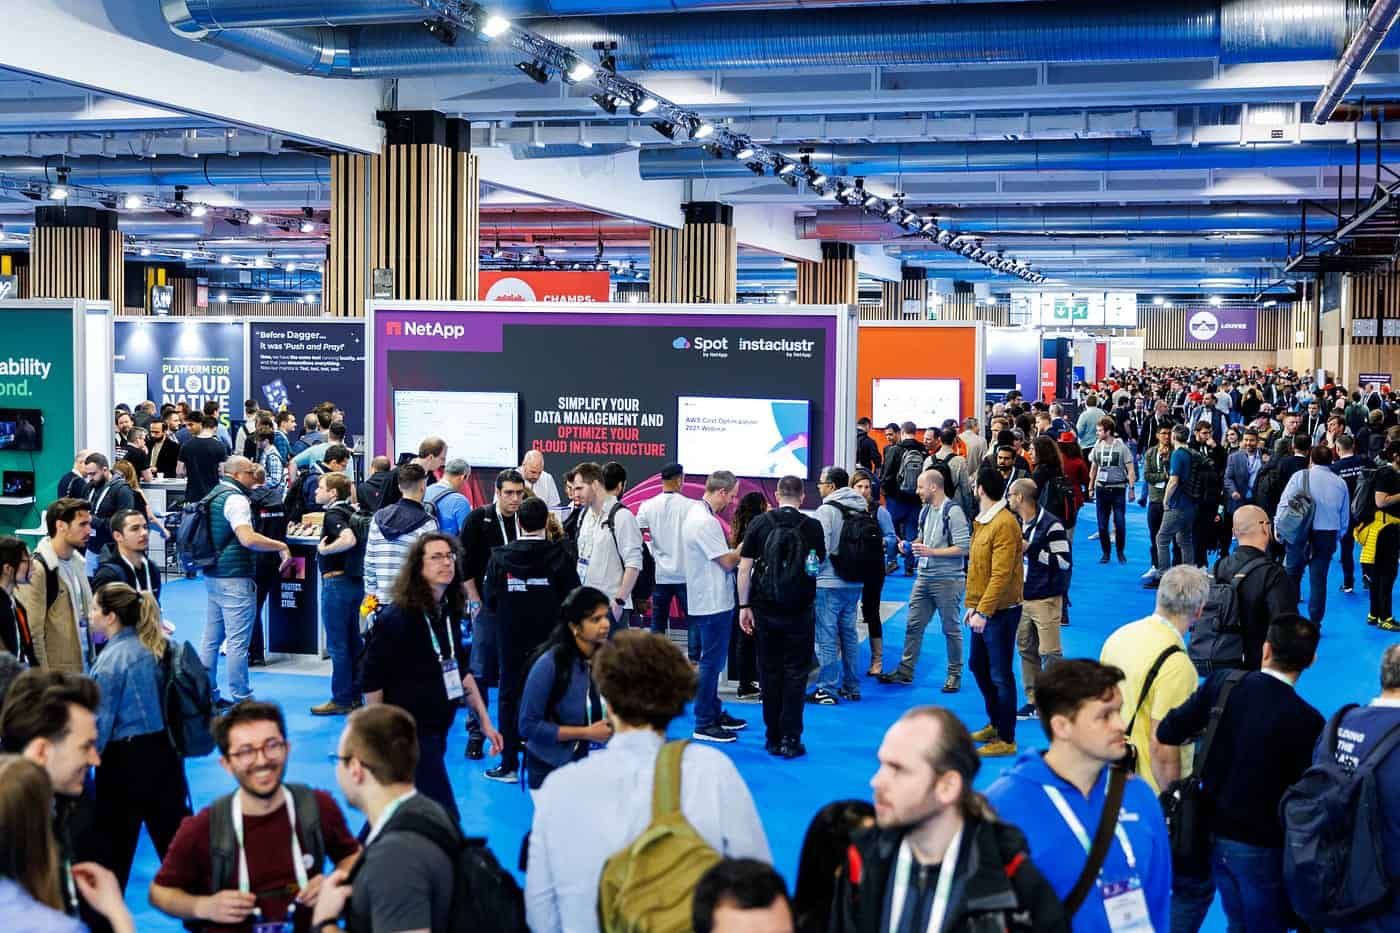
{"x": 1151, "y": 572}
{"x": 1094, "y": 536}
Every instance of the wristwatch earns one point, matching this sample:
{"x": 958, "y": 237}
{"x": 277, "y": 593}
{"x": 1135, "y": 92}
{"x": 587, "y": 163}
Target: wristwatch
{"x": 619, "y": 600}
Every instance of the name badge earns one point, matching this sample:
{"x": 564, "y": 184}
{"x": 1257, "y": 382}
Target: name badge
{"x": 452, "y": 680}
{"x": 1126, "y": 906}
{"x": 280, "y": 926}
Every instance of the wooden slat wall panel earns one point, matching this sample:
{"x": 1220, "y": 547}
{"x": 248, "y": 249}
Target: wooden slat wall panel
{"x": 963, "y": 306}
{"x": 347, "y": 271}
{"x": 707, "y": 264}
{"x": 76, "y": 262}
{"x": 829, "y": 282}
{"x": 271, "y": 309}
{"x": 1375, "y": 297}
{"x": 663, "y": 265}
{"x": 466, "y": 215}
{"x": 186, "y": 295}
{"x": 1163, "y": 328}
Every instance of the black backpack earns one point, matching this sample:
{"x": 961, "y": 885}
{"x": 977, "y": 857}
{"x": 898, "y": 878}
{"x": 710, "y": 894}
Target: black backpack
{"x": 269, "y": 517}
{"x": 194, "y": 538}
{"x": 780, "y": 581}
{"x": 646, "y": 579}
{"x": 485, "y": 897}
{"x": 1217, "y": 635}
{"x": 1334, "y": 836}
{"x": 860, "y": 550}
{"x": 1267, "y": 488}
{"x": 187, "y": 700}
{"x": 1057, "y": 498}
{"x": 1363, "y": 501}
{"x": 911, "y": 466}
{"x": 294, "y": 502}
{"x": 1198, "y": 478}
{"x": 359, "y": 521}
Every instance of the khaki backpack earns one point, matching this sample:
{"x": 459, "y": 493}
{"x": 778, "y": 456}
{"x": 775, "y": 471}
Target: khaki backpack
{"x": 647, "y": 887}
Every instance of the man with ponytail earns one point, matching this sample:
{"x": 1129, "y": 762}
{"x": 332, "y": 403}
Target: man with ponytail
{"x": 938, "y": 858}
{"x": 141, "y": 779}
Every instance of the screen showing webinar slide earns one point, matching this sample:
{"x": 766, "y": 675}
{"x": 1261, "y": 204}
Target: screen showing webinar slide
{"x": 753, "y": 437}
{"x": 482, "y": 428}
{"x": 926, "y": 402}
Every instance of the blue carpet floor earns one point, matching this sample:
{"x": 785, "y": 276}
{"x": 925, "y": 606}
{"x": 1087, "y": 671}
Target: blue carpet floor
{"x": 841, "y": 741}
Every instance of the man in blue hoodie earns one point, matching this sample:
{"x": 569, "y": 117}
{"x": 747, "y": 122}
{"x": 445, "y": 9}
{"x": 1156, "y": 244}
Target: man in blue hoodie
{"x": 1057, "y": 797}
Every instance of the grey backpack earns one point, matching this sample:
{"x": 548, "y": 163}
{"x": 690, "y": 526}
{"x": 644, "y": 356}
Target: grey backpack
{"x": 1295, "y": 519}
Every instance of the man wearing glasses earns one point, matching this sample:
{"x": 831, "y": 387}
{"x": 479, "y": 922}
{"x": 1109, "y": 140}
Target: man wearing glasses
{"x": 1266, "y": 591}
{"x": 229, "y": 583}
{"x": 255, "y": 856}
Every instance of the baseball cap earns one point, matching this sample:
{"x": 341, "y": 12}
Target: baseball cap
{"x": 672, "y": 470}
{"x": 1067, "y": 436}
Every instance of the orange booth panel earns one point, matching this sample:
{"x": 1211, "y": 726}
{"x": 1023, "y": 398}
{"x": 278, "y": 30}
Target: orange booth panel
{"x": 916, "y": 353}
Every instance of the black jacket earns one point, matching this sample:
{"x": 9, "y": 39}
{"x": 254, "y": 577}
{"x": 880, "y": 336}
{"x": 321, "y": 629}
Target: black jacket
{"x": 112, "y": 569}
{"x": 107, "y": 500}
{"x": 867, "y": 453}
{"x": 524, "y": 585}
{"x": 399, "y": 660}
{"x": 889, "y": 483}
{"x": 371, "y": 491}
{"x": 14, "y": 637}
{"x": 996, "y": 888}
{"x": 482, "y": 534}
{"x": 1266, "y": 593}
{"x": 572, "y": 521}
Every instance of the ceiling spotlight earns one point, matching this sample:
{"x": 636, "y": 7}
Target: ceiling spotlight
{"x": 642, "y": 105}
{"x": 786, "y": 168}
{"x": 745, "y": 152}
{"x": 310, "y": 299}
{"x": 817, "y": 178}
{"x": 1159, "y": 301}
{"x": 308, "y": 227}
{"x": 892, "y": 210}
{"x": 132, "y": 201}
{"x": 1215, "y": 301}
{"x": 534, "y": 71}
{"x": 59, "y": 192}
{"x": 929, "y": 228}
{"x": 701, "y": 130}
{"x": 871, "y": 200}
{"x": 255, "y": 219}
{"x": 580, "y": 70}
{"x": 605, "y": 101}
{"x": 145, "y": 251}
{"x": 187, "y": 255}
{"x": 266, "y": 298}
{"x": 199, "y": 210}
{"x": 495, "y": 25}
{"x": 223, "y": 297}
{"x": 664, "y": 128}
{"x": 226, "y": 259}
{"x": 291, "y": 267}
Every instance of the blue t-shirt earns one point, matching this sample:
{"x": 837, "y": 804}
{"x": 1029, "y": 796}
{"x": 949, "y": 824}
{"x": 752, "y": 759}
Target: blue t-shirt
{"x": 1180, "y": 467}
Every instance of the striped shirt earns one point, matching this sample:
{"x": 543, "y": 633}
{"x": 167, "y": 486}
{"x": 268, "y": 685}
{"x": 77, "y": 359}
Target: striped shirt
{"x": 384, "y": 557}
{"x": 1047, "y": 556}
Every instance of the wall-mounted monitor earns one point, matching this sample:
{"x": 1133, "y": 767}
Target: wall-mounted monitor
{"x": 18, "y": 484}
{"x": 926, "y": 402}
{"x": 21, "y": 429}
{"x": 482, "y": 428}
{"x": 752, "y": 437}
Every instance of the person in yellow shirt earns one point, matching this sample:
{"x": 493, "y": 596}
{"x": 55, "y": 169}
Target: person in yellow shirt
{"x": 1159, "y": 641}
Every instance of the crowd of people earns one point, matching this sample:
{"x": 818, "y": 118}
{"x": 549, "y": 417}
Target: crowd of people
{"x": 562, "y": 605}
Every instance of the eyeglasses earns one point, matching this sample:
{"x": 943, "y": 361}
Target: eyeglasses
{"x": 439, "y": 558}
{"x": 271, "y": 749}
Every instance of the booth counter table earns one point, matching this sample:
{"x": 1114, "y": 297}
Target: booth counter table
{"x": 294, "y": 608}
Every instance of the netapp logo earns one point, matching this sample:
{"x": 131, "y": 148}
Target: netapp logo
{"x": 415, "y": 329}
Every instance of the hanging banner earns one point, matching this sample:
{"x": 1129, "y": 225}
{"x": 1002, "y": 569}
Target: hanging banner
{"x": 1221, "y": 325}
{"x": 183, "y": 361}
{"x": 543, "y": 286}
{"x": 299, "y": 364}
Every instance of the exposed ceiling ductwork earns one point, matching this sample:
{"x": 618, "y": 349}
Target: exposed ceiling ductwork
{"x": 925, "y": 34}
{"x": 213, "y": 171}
{"x": 854, "y": 226}
{"x": 1024, "y": 156}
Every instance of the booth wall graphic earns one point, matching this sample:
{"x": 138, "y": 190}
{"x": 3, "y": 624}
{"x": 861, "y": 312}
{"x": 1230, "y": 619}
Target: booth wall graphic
{"x": 39, "y": 409}
{"x": 1222, "y": 325}
{"x": 753, "y": 393}
{"x": 926, "y": 350}
{"x": 183, "y": 361}
{"x": 303, "y": 363}
{"x": 1013, "y": 361}
{"x": 543, "y": 286}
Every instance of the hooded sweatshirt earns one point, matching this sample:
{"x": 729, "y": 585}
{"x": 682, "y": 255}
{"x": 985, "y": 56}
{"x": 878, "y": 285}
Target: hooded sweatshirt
{"x": 832, "y": 519}
{"x": 525, "y": 583}
{"x": 107, "y": 500}
{"x": 391, "y": 533}
{"x": 1019, "y": 797}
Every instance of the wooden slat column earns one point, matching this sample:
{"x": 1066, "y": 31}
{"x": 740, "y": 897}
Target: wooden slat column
{"x": 911, "y": 289}
{"x": 707, "y": 255}
{"x": 664, "y": 244}
{"x": 833, "y": 281}
{"x": 413, "y": 209}
{"x": 76, "y": 252}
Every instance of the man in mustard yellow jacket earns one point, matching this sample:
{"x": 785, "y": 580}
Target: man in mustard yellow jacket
{"x": 994, "y": 611}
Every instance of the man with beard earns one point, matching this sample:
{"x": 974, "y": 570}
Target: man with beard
{"x": 936, "y": 858}
{"x": 256, "y": 856}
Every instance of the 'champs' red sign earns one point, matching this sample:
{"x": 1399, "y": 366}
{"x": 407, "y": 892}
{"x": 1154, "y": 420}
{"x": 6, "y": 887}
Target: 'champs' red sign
{"x": 543, "y": 286}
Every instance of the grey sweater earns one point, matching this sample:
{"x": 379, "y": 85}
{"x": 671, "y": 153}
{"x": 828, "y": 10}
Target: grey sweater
{"x": 932, "y": 534}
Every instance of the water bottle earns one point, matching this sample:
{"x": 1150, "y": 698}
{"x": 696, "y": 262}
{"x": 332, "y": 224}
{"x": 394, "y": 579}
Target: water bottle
{"x": 814, "y": 566}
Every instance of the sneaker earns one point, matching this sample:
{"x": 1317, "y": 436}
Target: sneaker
{"x": 792, "y": 748}
{"x": 222, "y": 706}
{"x": 1388, "y": 625}
{"x": 1122, "y": 558}
{"x": 1348, "y": 588}
{"x": 895, "y": 678}
{"x": 332, "y": 708}
{"x": 727, "y": 721}
{"x": 821, "y": 698}
{"x": 773, "y": 748}
{"x": 475, "y": 743}
{"x": 997, "y": 749}
{"x": 713, "y": 734}
{"x": 1027, "y": 713}
{"x": 748, "y": 693}
{"x": 852, "y": 695}
{"x": 891, "y": 567}
{"x": 1151, "y": 572}
{"x": 1094, "y": 536}
{"x": 953, "y": 684}
{"x": 1152, "y": 584}
{"x": 504, "y": 773}
{"x": 1372, "y": 620}
{"x": 985, "y": 734}
{"x": 1104, "y": 558}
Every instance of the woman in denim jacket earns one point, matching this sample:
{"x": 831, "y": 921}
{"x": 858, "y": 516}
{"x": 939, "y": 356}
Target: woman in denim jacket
{"x": 141, "y": 778}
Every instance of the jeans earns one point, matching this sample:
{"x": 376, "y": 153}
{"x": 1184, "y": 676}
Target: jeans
{"x": 905, "y": 517}
{"x": 232, "y": 603}
{"x": 714, "y": 651}
{"x": 431, "y": 775}
{"x": 1178, "y": 525}
{"x": 661, "y": 596}
{"x": 1348, "y": 547}
{"x": 1111, "y": 500}
{"x": 1038, "y": 639}
{"x": 784, "y": 650}
{"x": 930, "y": 595}
{"x": 1250, "y": 879}
{"x": 991, "y": 661}
{"x": 340, "y": 616}
{"x": 837, "y": 641}
{"x": 1316, "y": 552}
{"x": 1191, "y": 900}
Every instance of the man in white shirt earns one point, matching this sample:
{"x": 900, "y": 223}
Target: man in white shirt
{"x": 661, "y": 516}
{"x": 709, "y": 585}
{"x": 538, "y": 481}
{"x": 609, "y": 544}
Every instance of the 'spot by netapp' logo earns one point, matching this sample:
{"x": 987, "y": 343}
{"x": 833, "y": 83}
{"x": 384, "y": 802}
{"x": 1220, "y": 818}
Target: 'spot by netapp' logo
{"x": 417, "y": 329}
{"x": 718, "y": 347}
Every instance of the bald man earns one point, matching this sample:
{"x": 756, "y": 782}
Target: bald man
{"x": 1264, "y": 590}
{"x": 538, "y": 481}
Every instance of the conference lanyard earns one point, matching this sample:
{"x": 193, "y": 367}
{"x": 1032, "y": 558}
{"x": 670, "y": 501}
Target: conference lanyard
{"x": 298, "y": 866}
{"x": 1076, "y": 827}
{"x": 142, "y": 578}
{"x": 97, "y": 505}
{"x": 437, "y": 646}
{"x": 386, "y": 815}
{"x": 505, "y": 538}
{"x": 940, "y": 893}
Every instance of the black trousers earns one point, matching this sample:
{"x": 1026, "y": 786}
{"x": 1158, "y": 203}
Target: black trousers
{"x": 266, "y": 581}
{"x": 743, "y": 652}
{"x": 141, "y": 781}
{"x": 870, "y": 607}
{"x": 784, "y": 654}
{"x": 431, "y": 775}
{"x": 1383, "y": 571}
{"x": 516, "y": 642}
